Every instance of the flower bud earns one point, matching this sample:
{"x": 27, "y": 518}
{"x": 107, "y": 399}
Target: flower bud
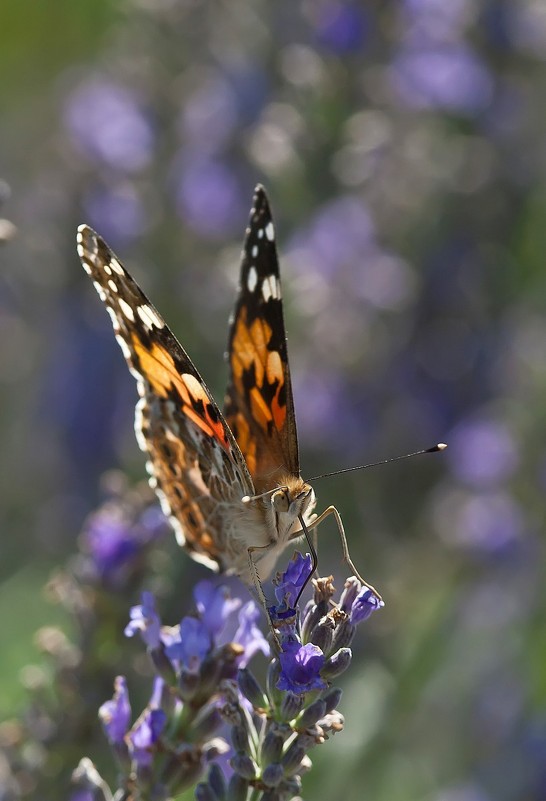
{"x": 309, "y": 716}
{"x": 217, "y": 781}
{"x": 337, "y": 664}
{"x": 291, "y": 705}
{"x": 343, "y": 635}
{"x": 204, "y": 793}
{"x": 239, "y": 739}
{"x": 188, "y": 684}
{"x": 207, "y": 721}
{"x": 237, "y": 788}
{"x": 322, "y": 634}
{"x": 331, "y": 698}
{"x": 291, "y": 760}
{"x": 273, "y": 676}
{"x": 251, "y": 689}
{"x": 244, "y": 766}
{"x": 272, "y": 775}
{"x": 272, "y": 745}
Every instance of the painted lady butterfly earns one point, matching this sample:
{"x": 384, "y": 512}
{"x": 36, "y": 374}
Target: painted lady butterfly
{"x": 230, "y": 482}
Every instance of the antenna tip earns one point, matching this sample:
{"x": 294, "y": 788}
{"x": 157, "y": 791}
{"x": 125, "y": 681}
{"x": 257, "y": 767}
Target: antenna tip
{"x": 441, "y": 446}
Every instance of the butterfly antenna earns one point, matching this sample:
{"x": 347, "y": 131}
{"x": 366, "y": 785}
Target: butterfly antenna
{"x": 249, "y": 498}
{"x": 440, "y": 446}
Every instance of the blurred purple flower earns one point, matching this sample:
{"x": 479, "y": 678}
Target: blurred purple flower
{"x": 427, "y": 21}
{"x": 450, "y": 77}
{"x": 482, "y": 453}
{"x": 300, "y": 668}
{"x": 209, "y": 115}
{"x": 193, "y": 644}
{"x": 491, "y": 523}
{"x": 208, "y": 198}
{"x": 117, "y": 212}
{"x": 363, "y": 605}
{"x": 145, "y": 734}
{"x": 110, "y": 540}
{"x": 341, "y": 26}
{"x": 215, "y": 605}
{"x": 249, "y": 635}
{"x": 114, "y": 539}
{"x": 335, "y": 415}
{"x": 144, "y": 619}
{"x": 107, "y": 123}
{"x": 83, "y": 794}
{"x": 339, "y": 235}
{"x": 116, "y": 714}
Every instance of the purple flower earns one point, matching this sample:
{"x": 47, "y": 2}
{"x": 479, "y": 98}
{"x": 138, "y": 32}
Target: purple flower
{"x": 300, "y": 668}
{"x": 482, "y": 453}
{"x": 435, "y": 20}
{"x": 144, "y": 619}
{"x": 144, "y": 734}
{"x": 292, "y": 580}
{"x": 110, "y": 540}
{"x": 208, "y": 198}
{"x": 113, "y": 538}
{"x": 193, "y": 644}
{"x": 490, "y": 523}
{"x": 214, "y": 605}
{"x": 341, "y": 26}
{"x": 364, "y": 604}
{"x": 249, "y": 635}
{"x": 116, "y": 714}
{"x": 107, "y": 123}
{"x": 338, "y": 238}
{"x": 117, "y": 211}
{"x": 449, "y": 77}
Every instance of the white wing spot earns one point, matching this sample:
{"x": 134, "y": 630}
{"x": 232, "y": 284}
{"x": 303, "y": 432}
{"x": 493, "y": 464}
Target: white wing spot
{"x": 260, "y": 233}
{"x": 116, "y": 267}
{"x": 85, "y": 265}
{"x": 271, "y": 288}
{"x": 252, "y": 279}
{"x": 127, "y": 310}
{"x": 254, "y": 251}
{"x": 106, "y": 268}
{"x": 124, "y": 346}
{"x": 149, "y": 317}
{"x": 100, "y": 291}
{"x": 113, "y": 286}
{"x": 270, "y": 231}
{"x": 115, "y": 321}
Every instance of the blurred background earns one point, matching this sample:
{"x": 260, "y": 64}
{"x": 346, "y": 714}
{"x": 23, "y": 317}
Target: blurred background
{"x": 402, "y": 144}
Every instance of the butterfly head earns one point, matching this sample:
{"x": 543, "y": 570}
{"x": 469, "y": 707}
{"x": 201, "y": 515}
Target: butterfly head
{"x": 292, "y": 499}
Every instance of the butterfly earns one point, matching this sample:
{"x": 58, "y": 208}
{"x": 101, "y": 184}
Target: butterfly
{"x": 229, "y": 481}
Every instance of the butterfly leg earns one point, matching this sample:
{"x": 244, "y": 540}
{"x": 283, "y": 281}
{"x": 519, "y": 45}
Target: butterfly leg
{"x": 314, "y": 523}
{"x": 259, "y": 590}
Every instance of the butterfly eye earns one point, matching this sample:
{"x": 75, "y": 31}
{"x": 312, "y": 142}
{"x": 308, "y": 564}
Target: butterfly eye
{"x": 280, "y": 501}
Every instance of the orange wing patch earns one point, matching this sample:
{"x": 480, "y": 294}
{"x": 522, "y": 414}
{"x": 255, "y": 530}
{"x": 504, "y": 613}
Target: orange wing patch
{"x": 258, "y": 373}
{"x": 158, "y": 366}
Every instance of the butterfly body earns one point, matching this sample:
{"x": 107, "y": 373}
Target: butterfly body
{"x": 230, "y": 482}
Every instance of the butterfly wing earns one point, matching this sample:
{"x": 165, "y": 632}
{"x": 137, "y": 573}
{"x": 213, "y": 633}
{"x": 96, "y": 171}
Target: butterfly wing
{"x": 259, "y": 407}
{"x": 196, "y": 465}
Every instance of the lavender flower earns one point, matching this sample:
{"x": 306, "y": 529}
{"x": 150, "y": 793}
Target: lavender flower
{"x": 118, "y": 534}
{"x": 144, "y": 619}
{"x": 209, "y": 684}
{"x": 116, "y": 714}
{"x": 109, "y": 125}
{"x": 192, "y": 645}
{"x": 300, "y": 668}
